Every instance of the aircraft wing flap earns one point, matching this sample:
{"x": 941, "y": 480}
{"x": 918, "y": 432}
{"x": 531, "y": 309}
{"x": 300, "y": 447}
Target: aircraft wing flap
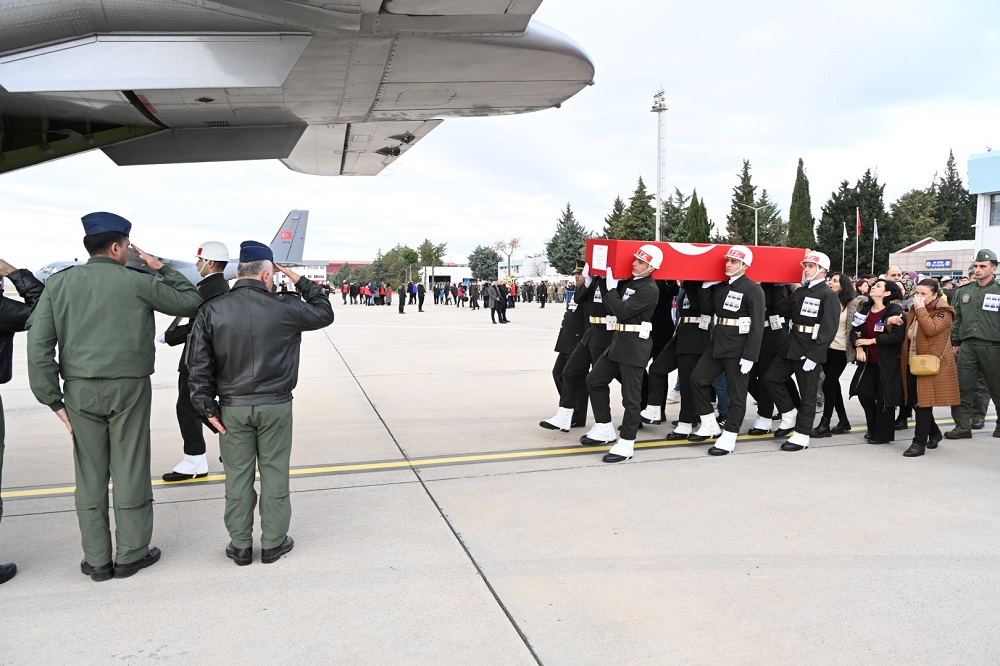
{"x": 221, "y": 144}
{"x": 357, "y": 149}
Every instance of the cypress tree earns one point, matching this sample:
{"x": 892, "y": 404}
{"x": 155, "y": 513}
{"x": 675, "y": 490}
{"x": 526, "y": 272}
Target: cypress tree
{"x": 956, "y": 208}
{"x": 801, "y": 225}
{"x": 740, "y": 222}
{"x": 613, "y": 222}
{"x": 639, "y": 222}
{"x": 567, "y": 243}
{"x": 696, "y": 226}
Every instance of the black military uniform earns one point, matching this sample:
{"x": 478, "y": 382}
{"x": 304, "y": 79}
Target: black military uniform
{"x": 596, "y": 338}
{"x": 738, "y": 306}
{"x": 813, "y": 313}
{"x": 775, "y": 333}
{"x": 626, "y": 357}
{"x": 691, "y": 338}
{"x": 574, "y": 324}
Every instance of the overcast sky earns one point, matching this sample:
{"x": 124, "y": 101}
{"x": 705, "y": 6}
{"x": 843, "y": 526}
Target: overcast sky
{"x": 890, "y": 85}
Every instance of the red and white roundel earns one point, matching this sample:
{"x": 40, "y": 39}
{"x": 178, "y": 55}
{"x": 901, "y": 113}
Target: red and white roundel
{"x": 286, "y": 234}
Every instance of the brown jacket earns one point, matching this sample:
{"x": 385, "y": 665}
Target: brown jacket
{"x": 934, "y": 338}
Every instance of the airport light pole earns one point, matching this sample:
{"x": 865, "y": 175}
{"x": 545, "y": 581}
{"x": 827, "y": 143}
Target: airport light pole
{"x": 659, "y": 106}
{"x": 756, "y": 209}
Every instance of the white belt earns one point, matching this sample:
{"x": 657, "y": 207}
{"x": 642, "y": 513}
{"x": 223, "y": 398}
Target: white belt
{"x": 630, "y": 328}
{"x": 689, "y": 320}
{"x": 598, "y": 320}
{"x": 728, "y": 322}
{"x": 806, "y": 329}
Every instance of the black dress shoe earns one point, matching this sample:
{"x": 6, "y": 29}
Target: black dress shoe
{"x": 783, "y": 432}
{"x": 674, "y": 436}
{"x": 901, "y": 423}
{"x": 242, "y": 556}
{"x": 550, "y": 426}
{"x": 698, "y": 438}
{"x": 587, "y": 441}
{"x": 7, "y": 571}
{"x": 643, "y": 419}
{"x": 177, "y": 476}
{"x": 271, "y": 555}
{"x": 996, "y": 431}
{"x": 878, "y": 441}
{"x": 868, "y": 435}
{"x": 788, "y": 446}
{"x": 125, "y": 570}
{"x": 840, "y": 428}
{"x": 97, "y": 574}
{"x": 932, "y": 442}
{"x": 958, "y": 433}
{"x": 614, "y": 457}
{"x": 757, "y": 431}
{"x": 916, "y": 449}
{"x": 978, "y": 423}
{"x": 678, "y": 421}
{"x": 716, "y": 451}
{"x": 822, "y": 430}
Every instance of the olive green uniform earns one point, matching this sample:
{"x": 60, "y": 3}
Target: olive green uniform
{"x": 977, "y": 331}
{"x": 100, "y": 316}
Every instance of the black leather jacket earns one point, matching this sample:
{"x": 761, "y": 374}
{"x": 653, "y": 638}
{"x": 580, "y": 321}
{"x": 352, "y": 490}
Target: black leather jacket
{"x": 244, "y": 346}
{"x": 14, "y": 316}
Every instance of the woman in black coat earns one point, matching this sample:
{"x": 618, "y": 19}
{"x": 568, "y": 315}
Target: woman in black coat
{"x": 878, "y": 382}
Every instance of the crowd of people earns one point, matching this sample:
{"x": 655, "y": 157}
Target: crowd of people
{"x": 915, "y": 343}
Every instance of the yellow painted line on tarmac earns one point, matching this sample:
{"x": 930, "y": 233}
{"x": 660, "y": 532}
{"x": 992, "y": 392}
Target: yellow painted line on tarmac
{"x": 460, "y": 459}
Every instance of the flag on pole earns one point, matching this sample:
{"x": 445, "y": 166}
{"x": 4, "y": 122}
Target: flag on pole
{"x": 845, "y": 230}
{"x": 876, "y": 229}
{"x": 859, "y": 221}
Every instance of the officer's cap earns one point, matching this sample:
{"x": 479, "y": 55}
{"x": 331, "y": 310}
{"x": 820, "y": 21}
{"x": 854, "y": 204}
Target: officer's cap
{"x": 100, "y": 222}
{"x": 579, "y": 266}
{"x": 254, "y": 251}
{"x": 986, "y": 255}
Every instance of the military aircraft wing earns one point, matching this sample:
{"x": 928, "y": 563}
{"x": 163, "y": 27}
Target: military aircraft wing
{"x": 339, "y": 88}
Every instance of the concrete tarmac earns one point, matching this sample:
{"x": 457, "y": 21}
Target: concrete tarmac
{"x": 436, "y": 523}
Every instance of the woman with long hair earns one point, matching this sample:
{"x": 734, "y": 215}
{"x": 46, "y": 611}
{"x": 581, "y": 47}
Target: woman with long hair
{"x": 928, "y": 331}
{"x": 878, "y": 382}
{"x": 837, "y": 357}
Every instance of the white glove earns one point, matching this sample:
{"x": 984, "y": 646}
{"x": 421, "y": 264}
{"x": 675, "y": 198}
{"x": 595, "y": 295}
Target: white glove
{"x": 808, "y": 364}
{"x": 706, "y": 285}
{"x": 745, "y": 365}
{"x": 586, "y": 275}
{"x": 162, "y": 338}
{"x": 610, "y": 279}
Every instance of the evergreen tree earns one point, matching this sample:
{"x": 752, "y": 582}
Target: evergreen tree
{"x": 483, "y": 261}
{"x": 567, "y": 243}
{"x": 639, "y": 222}
{"x": 772, "y": 228}
{"x": 838, "y": 213}
{"x": 613, "y": 222}
{"x": 672, "y": 215}
{"x": 379, "y": 270}
{"x": 869, "y": 200}
{"x": 740, "y": 222}
{"x": 696, "y": 226}
{"x": 399, "y": 263}
{"x": 956, "y": 208}
{"x": 915, "y": 215}
{"x": 801, "y": 225}
{"x": 431, "y": 255}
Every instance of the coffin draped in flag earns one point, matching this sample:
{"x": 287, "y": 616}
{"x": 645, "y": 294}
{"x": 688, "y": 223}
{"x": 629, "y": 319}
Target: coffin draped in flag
{"x": 695, "y": 261}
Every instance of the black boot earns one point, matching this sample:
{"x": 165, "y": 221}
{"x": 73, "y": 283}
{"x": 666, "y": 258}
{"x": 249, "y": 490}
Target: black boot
{"x": 916, "y": 449}
{"x": 840, "y": 428}
{"x": 822, "y": 430}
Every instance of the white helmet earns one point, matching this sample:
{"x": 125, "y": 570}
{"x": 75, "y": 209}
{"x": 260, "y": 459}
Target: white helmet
{"x": 213, "y": 251}
{"x": 651, "y": 254}
{"x": 741, "y": 252}
{"x": 817, "y": 258}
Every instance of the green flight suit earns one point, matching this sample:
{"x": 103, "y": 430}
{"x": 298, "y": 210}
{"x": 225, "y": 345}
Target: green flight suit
{"x": 100, "y": 316}
{"x": 977, "y": 331}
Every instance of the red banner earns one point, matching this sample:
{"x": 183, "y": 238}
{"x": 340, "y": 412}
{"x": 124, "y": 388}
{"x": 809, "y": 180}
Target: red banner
{"x": 695, "y": 261}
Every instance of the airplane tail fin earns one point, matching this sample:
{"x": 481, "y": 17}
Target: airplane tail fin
{"x": 290, "y": 240}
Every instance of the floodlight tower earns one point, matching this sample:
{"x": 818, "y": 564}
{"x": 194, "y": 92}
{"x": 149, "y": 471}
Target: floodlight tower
{"x": 659, "y": 106}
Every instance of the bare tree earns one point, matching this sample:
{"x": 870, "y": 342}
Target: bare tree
{"x": 507, "y": 248}
{"x": 534, "y": 267}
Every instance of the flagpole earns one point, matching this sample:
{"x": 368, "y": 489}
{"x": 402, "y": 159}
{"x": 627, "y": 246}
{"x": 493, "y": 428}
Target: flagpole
{"x": 843, "y": 248}
{"x": 873, "y": 247}
{"x": 857, "y": 239}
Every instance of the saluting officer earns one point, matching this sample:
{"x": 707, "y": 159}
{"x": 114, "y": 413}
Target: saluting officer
{"x": 628, "y": 354}
{"x": 570, "y": 333}
{"x": 691, "y": 338}
{"x": 212, "y": 258}
{"x": 100, "y": 316}
{"x": 738, "y": 306}
{"x": 813, "y": 313}
{"x": 975, "y": 340}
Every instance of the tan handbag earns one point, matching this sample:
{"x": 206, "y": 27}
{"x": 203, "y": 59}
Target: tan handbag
{"x": 926, "y": 365}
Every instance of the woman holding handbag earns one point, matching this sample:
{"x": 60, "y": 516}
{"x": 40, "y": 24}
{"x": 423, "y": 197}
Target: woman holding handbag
{"x": 928, "y": 345}
{"x": 878, "y": 382}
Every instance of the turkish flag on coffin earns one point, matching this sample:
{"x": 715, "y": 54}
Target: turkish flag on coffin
{"x": 695, "y": 261}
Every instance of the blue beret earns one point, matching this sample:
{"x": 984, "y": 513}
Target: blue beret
{"x": 99, "y": 223}
{"x": 254, "y": 251}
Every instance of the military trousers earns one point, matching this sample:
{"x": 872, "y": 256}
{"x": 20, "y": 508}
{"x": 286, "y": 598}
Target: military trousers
{"x": 261, "y": 437}
{"x": 578, "y": 395}
{"x": 975, "y": 360}
{"x": 774, "y": 380}
{"x": 705, "y": 372}
{"x": 2, "y": 435}
{"x": 599, "y": 386}
{"x": 110, "y": 419}
{"x": 188, "y": 419}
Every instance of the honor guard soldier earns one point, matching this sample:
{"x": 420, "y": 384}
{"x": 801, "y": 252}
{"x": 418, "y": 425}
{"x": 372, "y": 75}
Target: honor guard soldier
{"x": 13, "y": 319}
{"x": 738, "y": 306}
{"x": 774, "y": 336}
{"x": 212, "y": 258}
{"x": 630, "y": 315}
{"x": 691, "y": 338}
{"x": 813, "y": 313}
{"x": 571, "y": 332}
{"x": 975, "y": 339}
{"x": 244, "y": 350}
{"x": 100, "y": 316}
